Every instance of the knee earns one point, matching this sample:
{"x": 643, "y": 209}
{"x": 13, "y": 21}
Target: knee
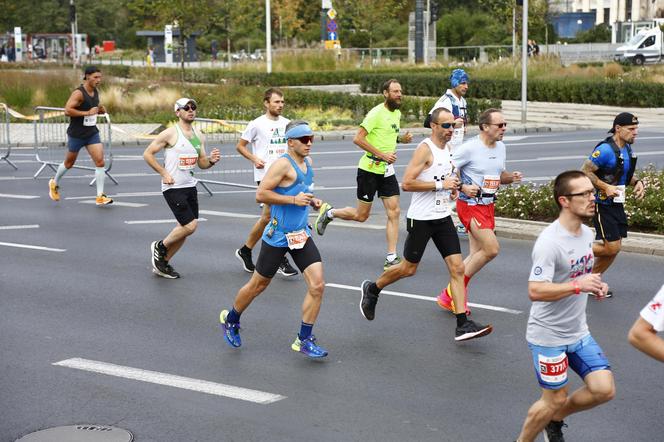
{"x": 457, "y": 269}
{"x": 68, "y": 164}
{"x": 316, "y": 288}
{"x": 191, "y": 227}
{"x": 257, "y": 286}
{"x": 361, "y": 217}
{"x": 557, "y": 401}
{"x": 612, "y": 248}
{"x": 604, "y": 393}
{"x": 492, "y": 250}
{"x": 394, "y": 213}
{"x": 408, "y": 269}
{"x": 100, "y": 163}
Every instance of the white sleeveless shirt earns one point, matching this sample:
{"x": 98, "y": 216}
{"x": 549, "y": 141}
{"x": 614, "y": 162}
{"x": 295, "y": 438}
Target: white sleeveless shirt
{"x": 432, "y": 204}
{"x": 181, "y": 159}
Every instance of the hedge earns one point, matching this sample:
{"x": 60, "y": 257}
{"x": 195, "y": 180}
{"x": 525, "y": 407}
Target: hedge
{"x": 601, "y": 91}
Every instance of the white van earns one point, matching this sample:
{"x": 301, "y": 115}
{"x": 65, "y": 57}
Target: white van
{"x": 644, "y": 47}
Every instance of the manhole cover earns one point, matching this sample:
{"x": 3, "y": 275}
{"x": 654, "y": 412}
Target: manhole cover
{"x": 80, "y": 433}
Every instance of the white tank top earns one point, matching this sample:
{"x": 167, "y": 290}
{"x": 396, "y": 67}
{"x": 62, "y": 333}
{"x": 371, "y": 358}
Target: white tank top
{"x": 181, "y": 159}
{"x": 433, "y": 204}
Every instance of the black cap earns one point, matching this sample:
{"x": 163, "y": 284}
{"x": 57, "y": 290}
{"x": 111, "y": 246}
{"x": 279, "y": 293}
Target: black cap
{"x": 89, "y": 71}
{"x": 623, "y": 119}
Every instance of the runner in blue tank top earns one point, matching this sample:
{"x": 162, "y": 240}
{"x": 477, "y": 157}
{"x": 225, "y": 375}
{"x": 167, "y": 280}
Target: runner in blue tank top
{"x": 288, "y": 188}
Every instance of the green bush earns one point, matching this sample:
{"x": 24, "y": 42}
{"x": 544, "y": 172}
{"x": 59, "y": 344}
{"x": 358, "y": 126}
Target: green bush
{"x": 601, "y": 91}
{"x": 535, "y": 203}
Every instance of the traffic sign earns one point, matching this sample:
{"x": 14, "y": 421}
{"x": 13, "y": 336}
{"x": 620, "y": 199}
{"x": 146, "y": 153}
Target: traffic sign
{"x": 332, "y": 36}
{"x": 332, "y": 13}
{"x": 331, "y": 26}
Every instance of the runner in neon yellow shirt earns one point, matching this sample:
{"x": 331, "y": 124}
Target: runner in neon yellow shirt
{"x": 378, "y": 137}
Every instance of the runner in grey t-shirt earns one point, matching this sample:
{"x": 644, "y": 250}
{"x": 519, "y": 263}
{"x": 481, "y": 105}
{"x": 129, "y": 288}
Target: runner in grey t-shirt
{"x": 557, "y": 334}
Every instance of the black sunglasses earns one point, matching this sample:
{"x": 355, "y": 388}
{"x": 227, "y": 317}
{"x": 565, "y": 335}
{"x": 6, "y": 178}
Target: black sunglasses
{"x": 445, "y": 125}
{"x": 188, "y": 107}
{"x": 500, "y": 125}
{"x": 306, "y": 139}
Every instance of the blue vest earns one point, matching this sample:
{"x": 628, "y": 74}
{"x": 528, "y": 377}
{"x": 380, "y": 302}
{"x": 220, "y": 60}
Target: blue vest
{"x": 288, "y": 218}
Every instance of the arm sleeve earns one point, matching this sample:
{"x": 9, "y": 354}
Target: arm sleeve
{"x": 461, "y": 156}
{"x": 653, "y": 312}
{"x": 369, "y": 122}
{"x": 544, "y": 261}
{"x": 249, "y": 133}
{"x": 601, "y": 156}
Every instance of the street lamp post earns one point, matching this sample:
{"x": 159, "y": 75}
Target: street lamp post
{"x": 524, "y": 64}
{"x": 268, "y": 37}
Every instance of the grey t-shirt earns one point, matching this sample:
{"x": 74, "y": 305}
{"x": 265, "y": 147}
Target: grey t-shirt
{"x": 560, "y": 256}
{"x": 480, "y": 165}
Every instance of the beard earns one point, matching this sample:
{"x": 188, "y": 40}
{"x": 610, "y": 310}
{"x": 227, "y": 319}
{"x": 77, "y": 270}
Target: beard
{"x": 393, "y": 104}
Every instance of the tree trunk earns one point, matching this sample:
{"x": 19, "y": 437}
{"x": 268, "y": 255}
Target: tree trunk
{"x": 181, "y": 50}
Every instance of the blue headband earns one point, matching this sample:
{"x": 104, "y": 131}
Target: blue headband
{"x": 458, "y": 76}
{"x": 301, "y": 130}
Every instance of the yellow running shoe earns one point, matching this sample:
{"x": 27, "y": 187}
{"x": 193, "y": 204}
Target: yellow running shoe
{"x": 103, "y": 200}
{"x": 53, "y": 190}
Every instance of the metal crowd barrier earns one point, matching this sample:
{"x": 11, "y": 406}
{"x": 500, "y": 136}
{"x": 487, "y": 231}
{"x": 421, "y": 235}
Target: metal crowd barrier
{"x": 5, "y": 141}
{"x": 222, "y": 131}
{"x": 50, "y": 129}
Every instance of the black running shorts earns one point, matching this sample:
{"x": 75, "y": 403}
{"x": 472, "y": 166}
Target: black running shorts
{"x": 270, "y": 257}
{"x": 610, "y": 222}
{"x": 183, "y": 203}
{"x": 369, "y": 183}
{"x": 442, "y": 231}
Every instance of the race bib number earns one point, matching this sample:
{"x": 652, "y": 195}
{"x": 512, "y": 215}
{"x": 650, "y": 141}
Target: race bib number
{"x": 553, "y": 369}
{"x": 442, "y": 201}
{"x": 490, "y": 184}
{"x": 187, "y": 161}
{"x": 296, "y": 240}
{"x": 90, "y": 120}
{"x": 620, "y": 198}
{"x": 274, "y": 152}
{"x": 389, "y": 170}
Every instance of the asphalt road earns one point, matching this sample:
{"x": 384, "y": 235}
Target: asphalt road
{"x": 85, "y": 290}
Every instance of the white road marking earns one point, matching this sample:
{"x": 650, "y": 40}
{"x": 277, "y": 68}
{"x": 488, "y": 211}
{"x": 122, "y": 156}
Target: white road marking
{"x": 20, "y": 197}
{"x": 170, "y": 380}
{"x": 28, "y": 246}
{"x": 157, "y": 221}
{"x": 26, "y": 226}
{"x": 594, "y": 140}
{"x": 116, "y": 203}
{"x": 228, "y": 214}
{"x": 427, "y": 298}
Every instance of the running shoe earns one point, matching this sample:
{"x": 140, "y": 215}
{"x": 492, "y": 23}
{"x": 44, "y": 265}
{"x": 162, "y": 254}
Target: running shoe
{"x": 389, "y": 264}
{"x": 158, "y": 253}
{"x": 231, "y": 330}
{"x": 164, "y": 269}
{"x": 309, "y": 347}
{"x": 553, "y": 432}
{"x": 245, "y": 259}
{"x": 286, "y": 269}
{"x": 445, "y": 301}
{"x": 323, "y": 220}
{"x": 103, "y": 200}
{"x": 170, "y": 271}
{"x": 368, "y": 301}
{"x": 472, "y": 330}
{"x": 461, "y": 231}
{"x": 53, "y": 190}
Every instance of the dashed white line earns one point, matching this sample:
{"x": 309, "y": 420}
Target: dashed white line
{"x": 427, "y": 298}
{"x": 20, "y": 197}
{"x": 29, "y": 246}
{"x": 116, "y": 203}
{"x": 170, "y": 380}
{"x": 26, "y": 226}
{"x": 157, "y": 221}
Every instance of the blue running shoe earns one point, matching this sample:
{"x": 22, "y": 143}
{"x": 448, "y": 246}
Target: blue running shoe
{"x": 309, "y": 347}
{"x": 231, "y": 330}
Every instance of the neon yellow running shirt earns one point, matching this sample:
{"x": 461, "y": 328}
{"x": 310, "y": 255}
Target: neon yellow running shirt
{"x": 382, "y": 126}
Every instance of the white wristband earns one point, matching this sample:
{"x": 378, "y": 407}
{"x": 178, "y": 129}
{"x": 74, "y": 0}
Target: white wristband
{"x": 439, "y": 185}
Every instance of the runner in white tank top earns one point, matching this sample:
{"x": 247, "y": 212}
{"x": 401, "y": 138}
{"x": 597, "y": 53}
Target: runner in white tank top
{"x": 431, "y": 178}
{"x": 184, "y": 149}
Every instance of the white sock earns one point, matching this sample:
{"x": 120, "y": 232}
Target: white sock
{"x": 99, "y": 179}
{"x": 330, "y": 213}
{"x": 391, "y": 256}
{"x": 61, "y": 171}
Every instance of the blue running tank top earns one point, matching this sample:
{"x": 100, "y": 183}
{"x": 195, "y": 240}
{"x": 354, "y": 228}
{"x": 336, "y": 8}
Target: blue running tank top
{"x": 289, "y": 218}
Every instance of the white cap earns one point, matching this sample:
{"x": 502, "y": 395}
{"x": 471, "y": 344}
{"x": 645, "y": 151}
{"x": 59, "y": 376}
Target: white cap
{"x": 182, "y": 102}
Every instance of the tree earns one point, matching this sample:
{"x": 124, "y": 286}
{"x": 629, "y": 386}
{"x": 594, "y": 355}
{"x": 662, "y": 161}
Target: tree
{"x": 363, "y": 16}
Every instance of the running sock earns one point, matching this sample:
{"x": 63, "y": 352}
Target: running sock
{"x": 466, "y": 280}
{"x": 305, "y": 331}
{"x": 233, "y": 316}
{"x": 245, "y": 249}
{"x": 373, "y": 288}
{"x": 61, "y": 171}
{"x": 461, "y": 318}
{"x": 391, "y": 256}
{"x": 99, "y": 179}
{"x": 330, "y": 214}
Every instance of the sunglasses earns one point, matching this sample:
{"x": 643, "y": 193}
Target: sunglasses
{"x": 305, "y": 139}
{"x": 188, "y": 107}
{"x": 500, "y": 125}
{"x": 586, "y": 194}
{"x": 445, "y": 125}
